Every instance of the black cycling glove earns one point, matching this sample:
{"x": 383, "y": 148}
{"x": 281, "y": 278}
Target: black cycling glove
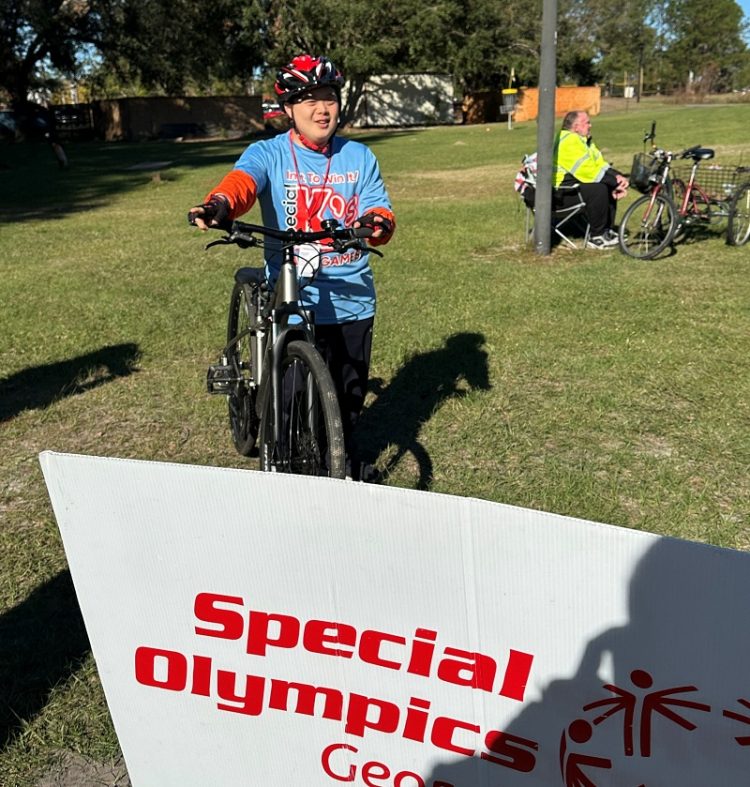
{"x": 368, "y": 220}
{"x": 215, "y": 212}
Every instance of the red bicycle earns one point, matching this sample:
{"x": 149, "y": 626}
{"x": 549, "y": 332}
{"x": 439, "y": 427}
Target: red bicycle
{"x": 675, "y": 203}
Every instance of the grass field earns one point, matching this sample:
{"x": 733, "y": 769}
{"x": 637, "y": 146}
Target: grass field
{"x": 583, "y": 383}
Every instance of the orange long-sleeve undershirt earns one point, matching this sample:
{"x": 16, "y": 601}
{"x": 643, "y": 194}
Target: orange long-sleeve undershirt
{"x": 240, "y": 189}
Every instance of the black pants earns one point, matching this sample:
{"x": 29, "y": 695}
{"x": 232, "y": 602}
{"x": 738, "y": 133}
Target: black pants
{"x": 600, "y": 206}
{"x": 346, "y": 349}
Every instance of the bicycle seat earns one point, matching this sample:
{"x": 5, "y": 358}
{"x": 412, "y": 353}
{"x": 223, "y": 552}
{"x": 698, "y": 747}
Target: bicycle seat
{"x": 250, "y": 276}
{"x": 698, "y": 153}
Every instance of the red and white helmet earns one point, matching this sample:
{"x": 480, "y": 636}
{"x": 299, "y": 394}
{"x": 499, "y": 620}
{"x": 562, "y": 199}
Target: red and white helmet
{"x": 304, "y": 73}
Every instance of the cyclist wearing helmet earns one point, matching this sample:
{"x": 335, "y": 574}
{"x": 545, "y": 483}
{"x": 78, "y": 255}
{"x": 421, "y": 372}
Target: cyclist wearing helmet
{"x": 300, "y": 179}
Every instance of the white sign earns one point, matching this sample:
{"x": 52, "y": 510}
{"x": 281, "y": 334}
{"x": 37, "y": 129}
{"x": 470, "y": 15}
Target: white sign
{"x": 263, "y": 629}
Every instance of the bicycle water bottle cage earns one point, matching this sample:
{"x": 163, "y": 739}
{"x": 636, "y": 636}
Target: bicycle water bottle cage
{"x": 698, "y": 153}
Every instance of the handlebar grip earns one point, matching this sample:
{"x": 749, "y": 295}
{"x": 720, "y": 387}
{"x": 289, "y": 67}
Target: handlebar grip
{"x": 362, "y": 232}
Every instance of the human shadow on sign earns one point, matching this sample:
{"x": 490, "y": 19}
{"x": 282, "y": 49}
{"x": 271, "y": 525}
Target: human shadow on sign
{"x": 394, "y": 420}
{"x": 36, "y": 387}
{"x": 42, "y": 643}
{"x": 662, "y": 699}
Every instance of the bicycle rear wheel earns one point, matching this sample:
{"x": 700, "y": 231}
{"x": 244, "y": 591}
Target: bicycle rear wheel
{"x": 738, "y": 230}
{"x": 647, "y": 227}
{"x": 311, "y": 438}
{"x": 243, "y": 419}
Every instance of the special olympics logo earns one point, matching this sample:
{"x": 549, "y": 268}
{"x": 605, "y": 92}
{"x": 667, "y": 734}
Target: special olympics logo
{"x": 634, "y": 708}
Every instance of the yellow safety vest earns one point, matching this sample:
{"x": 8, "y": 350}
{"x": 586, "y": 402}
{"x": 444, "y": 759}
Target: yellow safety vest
{"x": 572, "y": 156}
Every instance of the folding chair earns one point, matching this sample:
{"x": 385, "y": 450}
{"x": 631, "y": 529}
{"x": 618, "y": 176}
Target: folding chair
{"x": 568, "y": 207}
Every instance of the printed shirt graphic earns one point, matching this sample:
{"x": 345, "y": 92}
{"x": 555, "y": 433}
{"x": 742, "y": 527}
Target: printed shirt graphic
{"x": 302, "y": 189}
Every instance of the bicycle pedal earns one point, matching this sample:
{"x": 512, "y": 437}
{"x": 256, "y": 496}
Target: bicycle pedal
{"x": 220, "y": 379}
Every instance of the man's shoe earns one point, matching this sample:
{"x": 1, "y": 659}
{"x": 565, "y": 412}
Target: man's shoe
{"x": 612, "y": 235}
{"x": 601, "y": 242}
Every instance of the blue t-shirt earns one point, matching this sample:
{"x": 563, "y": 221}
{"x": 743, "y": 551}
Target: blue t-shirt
{"x": 298, "y": 188}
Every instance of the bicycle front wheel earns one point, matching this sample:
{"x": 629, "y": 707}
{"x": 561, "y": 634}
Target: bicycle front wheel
{"x": 310, "y": 439}
{"x": 738, "y": 230}
{"x": 243, "y": 420}
{"x": 647, "y": 227}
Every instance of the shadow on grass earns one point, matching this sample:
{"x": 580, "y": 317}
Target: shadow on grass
{"x": 421, "y": 386}
{"x": 34, "y": 188}
{"x": 42, "y": 642}
{"x": 39, "y": 386}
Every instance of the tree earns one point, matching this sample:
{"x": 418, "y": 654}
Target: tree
{"x": 704, "y": 43}
{"x": 33, "y": 32}
{"x": 166, "y": 44}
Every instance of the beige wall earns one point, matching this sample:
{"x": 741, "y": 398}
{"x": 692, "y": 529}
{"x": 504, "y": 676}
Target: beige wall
{"x": 149, "y": 118}
{"x": 405, "y": 100}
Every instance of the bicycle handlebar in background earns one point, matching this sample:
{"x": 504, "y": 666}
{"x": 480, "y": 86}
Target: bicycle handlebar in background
{"x": 651, "y": 135}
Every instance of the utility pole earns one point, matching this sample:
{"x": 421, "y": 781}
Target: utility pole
{"x": 545, "y": 129}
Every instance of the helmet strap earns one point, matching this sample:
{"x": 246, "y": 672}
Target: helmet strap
{"x": 308, "y": 143}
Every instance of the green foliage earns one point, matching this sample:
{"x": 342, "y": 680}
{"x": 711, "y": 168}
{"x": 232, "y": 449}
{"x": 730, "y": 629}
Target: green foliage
{"x": 704, "y": 39}
{"x": 33, "y": 32}
{"x": 178, "y": 46}
{"x": 170, "y": 44}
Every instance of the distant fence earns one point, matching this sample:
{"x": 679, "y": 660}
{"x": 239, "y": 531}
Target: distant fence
{"x": 160, "y": 118}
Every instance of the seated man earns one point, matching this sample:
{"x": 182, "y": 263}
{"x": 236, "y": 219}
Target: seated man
{"x": 577, "y": 160}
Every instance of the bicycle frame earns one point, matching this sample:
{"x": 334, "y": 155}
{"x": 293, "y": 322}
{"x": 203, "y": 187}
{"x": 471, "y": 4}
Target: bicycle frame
{"x": 695, "y": 200}
{"x": 661, "y": 182}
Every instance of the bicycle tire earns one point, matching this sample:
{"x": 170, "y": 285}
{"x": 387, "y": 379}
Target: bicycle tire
{"x": 646, "y": 229}
{"x": 312, "y": 439}
{"x": 243, "y": 419}
{"x": 738, "y": 229}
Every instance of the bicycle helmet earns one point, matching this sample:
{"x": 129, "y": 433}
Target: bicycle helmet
{"x": 304, "y": 73}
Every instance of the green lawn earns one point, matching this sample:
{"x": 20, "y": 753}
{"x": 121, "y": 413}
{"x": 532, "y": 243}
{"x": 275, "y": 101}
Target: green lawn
{"x": 584, "y": 383}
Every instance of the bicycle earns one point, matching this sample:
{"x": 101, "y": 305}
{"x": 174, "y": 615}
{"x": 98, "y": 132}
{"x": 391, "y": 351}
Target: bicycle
{"x": 279, "y": 391}
{"x": 671, "y": 207}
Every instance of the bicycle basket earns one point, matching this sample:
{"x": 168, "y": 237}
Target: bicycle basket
{"x": 645, "y": 166}
{"x": 717, "y": 182}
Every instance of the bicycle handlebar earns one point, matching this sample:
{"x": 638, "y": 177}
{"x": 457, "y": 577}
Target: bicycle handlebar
{"x": 664, "y": 155}
{"x": 243, "y": 234}
{"x": 331, "y": 231}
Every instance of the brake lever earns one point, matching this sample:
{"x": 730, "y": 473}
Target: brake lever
{"x": 235, "y": 238}
{"x": 225, "y": 241}
{"x": 355, "y": 243}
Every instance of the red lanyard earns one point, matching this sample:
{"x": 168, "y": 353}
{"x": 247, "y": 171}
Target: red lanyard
{"x": 307, "y": 218}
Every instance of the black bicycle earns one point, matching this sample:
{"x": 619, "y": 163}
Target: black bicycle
{"x": 279, "y": 391}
